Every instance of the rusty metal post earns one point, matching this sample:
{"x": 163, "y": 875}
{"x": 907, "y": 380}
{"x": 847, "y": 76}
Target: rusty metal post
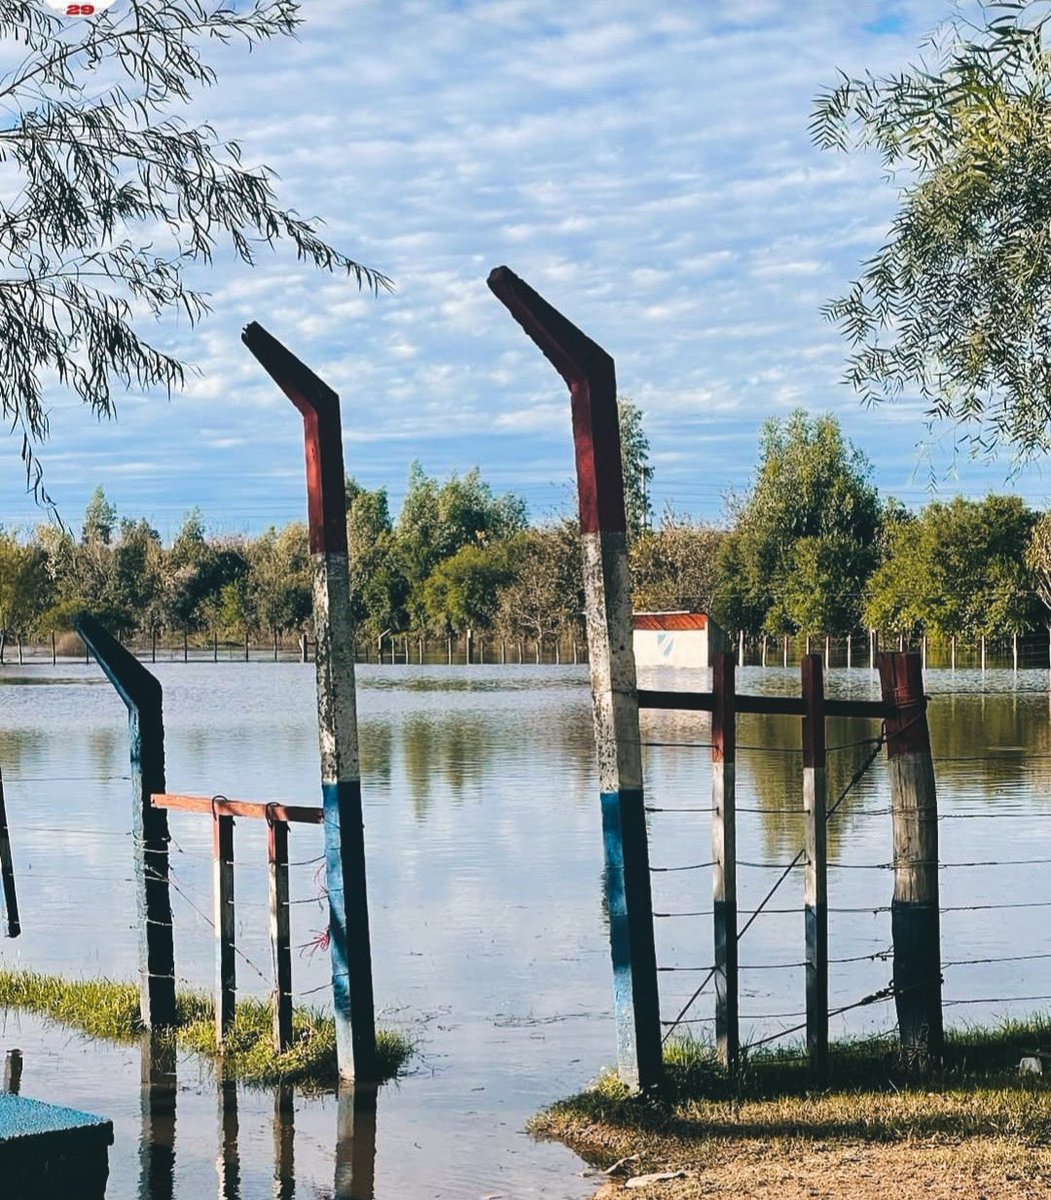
{"x": 142, "y": 695}
{"x": 589, "y": 373}
{"x": 337, "y": 708}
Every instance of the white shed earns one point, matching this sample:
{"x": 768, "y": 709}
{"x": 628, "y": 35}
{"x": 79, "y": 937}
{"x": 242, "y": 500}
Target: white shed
{"x": 676, "y": 639}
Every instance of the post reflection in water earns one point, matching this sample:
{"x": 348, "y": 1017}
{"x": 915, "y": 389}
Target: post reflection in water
{"x": 229, "y": 1164}
{"x": 13, "y": 1072}
{"x": 356, "y": 1143}
{"x": 157, "y": 1140}
{"x": 284, "y": 1139}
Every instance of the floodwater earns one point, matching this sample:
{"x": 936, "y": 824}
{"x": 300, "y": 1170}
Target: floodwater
{"x": 485, "y": 877}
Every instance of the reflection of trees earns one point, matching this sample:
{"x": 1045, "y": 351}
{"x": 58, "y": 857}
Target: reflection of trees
{"x": 461, "y": 750}
{"x": 375, "y": 741}
{"x": 772, "y": 779}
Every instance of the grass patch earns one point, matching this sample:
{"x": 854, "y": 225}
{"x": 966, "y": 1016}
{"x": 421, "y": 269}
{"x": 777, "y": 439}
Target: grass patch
{"x": 103, "y": 1008}
{"x": 977, "y": 1104}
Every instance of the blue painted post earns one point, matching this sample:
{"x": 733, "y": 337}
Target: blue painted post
{"x": 589, "y": 373}
{"x": 337, "y": 709}
{"x": 355, "y": 1177}
{"x": 142, "y": 695}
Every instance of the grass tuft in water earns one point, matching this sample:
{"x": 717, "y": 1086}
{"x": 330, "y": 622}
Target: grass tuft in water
{"x": 104, "y": 1008}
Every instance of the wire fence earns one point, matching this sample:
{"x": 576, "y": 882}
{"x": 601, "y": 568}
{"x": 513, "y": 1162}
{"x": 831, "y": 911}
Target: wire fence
{"x": 1004, "y": 839}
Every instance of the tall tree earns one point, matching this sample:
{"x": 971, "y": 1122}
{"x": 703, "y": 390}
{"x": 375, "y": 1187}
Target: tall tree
{"x": 436, "y": 520}
{"x": 956, "y": 304}
{"x": 811, "y": 485}
{"x": 676, "y": 567}
{"x": 958, "y": 569}
{"x": 635, "y": 466}
{"x": 114, "y": 195}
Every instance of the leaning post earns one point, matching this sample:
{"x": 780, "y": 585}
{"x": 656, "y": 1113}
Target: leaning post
{"x": 141, "y": 693}
{"x": 815, "y": 886}
{"x": 352, "y": 989}
{"x": 915, "y": 922}
{"x": 589, "y": 373}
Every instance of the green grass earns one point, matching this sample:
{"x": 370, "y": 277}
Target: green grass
{"x": 104, "y": 1008}
{"x": 870, "y": 1096}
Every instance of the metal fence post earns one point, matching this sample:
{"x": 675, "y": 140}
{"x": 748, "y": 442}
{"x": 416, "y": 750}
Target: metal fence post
{"x": 815, "y": 834}
{"x": 352, "y": 991}
{"x": 589, "y": 373}
{"x": 724, "y": 857}
{"x": 141, "y": 693}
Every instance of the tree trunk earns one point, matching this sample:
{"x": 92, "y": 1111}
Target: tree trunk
{"x": 275, "y": 645}
{"x": 246, "y": 645}
{"x": 18, "y": 643}
{"x": 185, "y": 646}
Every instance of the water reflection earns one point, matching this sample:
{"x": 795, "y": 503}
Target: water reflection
{"x": 228, "y": 1165}
{"x": 284, "y": 1143}
{"x": 355, "y": 1144}
{"x": 13, "y": 1072}
{"x": 157, "y": 1138}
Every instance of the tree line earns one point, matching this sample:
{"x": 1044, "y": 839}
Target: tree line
{"x": 810, "y": 547}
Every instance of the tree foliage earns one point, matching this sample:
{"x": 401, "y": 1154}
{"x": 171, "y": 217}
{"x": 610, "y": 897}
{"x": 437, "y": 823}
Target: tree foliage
{"x": 810, "y": 505}
{"x": 635, "y": 467}
{"x": 958, "y": 569}
{"x": 115, "y": 196}
{"x": 956, "y": 304}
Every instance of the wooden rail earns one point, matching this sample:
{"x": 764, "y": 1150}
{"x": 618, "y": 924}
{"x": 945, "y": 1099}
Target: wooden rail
{"x": 277, "y": 815}
{"x": 224, "y": 807}
{"x": 789, "y": 706}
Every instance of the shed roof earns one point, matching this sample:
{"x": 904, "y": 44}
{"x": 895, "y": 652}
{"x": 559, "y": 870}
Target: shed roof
{"x": 670, "y": 620}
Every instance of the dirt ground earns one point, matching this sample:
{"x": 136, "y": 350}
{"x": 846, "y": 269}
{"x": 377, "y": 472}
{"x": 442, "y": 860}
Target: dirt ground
{"x": 994, "y": 1169}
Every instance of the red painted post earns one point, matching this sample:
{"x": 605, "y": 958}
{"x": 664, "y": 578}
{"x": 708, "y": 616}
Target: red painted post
{"x": 590, "y": 376}
{"x": 349, "y": 942}
{"x": 724, "y": 858}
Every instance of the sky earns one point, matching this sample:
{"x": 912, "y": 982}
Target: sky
{"x": 645, "y": 167}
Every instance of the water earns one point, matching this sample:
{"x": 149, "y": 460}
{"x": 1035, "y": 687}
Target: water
{"x": 485, "y": 875}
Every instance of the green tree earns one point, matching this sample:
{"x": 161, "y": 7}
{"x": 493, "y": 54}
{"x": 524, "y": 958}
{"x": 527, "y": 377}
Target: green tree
{"x": 279, "y": 579}
{"x": 956, "y": 302}
{"x": 545, "y": 597}
{"x": 810, "y": 485}
{"x": 676, "y": 567}
{"x": 100, "y": 517}
{"x": 958, "y": 569}
{"x": 1038, "y": 559}
{"x": 635, "y": 466}
{"x": 379, "y": 589}
{"x": 462, "y": 592}
{"x": 437, "y": 520}
{"x": 138, "y": 577}
{"x": 114, "y": 196}
{"x": 24, "y": 589}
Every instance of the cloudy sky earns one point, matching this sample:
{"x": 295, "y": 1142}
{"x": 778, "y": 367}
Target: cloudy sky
{"x": 645, "y": 166}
